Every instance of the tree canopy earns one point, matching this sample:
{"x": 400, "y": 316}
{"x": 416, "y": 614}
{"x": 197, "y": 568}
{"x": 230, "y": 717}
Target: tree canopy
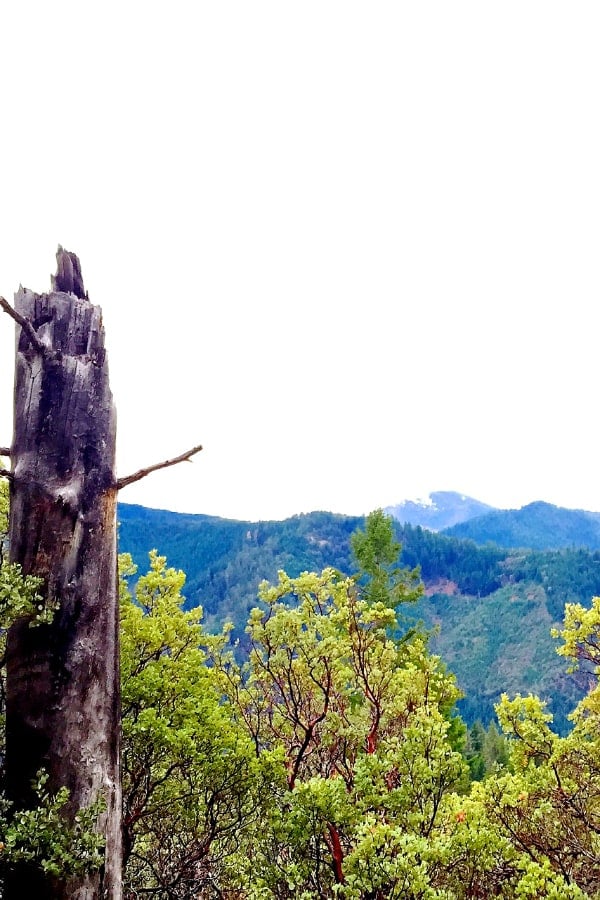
{"x": 328, "y": 760}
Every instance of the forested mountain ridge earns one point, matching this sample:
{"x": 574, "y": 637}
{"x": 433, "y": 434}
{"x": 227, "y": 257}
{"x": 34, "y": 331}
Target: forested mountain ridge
{"x": 538, "y": 526}
{"x": 490, "y": 609}
{"x": 226, "y": 559}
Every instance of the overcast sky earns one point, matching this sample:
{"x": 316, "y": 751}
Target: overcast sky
{"x": 351, "y": 248}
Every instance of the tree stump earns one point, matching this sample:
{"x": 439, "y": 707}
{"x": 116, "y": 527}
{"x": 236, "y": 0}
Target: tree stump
{"x": 63, "y": 678}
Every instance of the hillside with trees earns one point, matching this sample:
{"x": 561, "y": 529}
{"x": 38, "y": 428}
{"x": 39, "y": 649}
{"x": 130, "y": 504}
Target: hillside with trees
{"x": 489, "y": 609}
{"x": 537, "y": 526}
{"x": 328, "y": 762}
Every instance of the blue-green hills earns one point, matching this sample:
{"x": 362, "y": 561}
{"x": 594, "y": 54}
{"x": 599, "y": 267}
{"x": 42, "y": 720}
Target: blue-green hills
{"x": 538, "y": 526}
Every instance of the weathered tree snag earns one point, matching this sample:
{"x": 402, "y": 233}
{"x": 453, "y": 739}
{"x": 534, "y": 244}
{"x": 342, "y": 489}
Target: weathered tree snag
{"x": 63, "y": 678}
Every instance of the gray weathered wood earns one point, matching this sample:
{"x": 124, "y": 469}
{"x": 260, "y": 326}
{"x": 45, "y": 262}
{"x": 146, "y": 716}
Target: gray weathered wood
{"x": 63, "y": 678}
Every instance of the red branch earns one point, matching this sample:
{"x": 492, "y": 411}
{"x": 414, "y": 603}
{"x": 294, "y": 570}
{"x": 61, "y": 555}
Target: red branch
{"x": 335, "y": 847}
{"x": 372, "y": 740}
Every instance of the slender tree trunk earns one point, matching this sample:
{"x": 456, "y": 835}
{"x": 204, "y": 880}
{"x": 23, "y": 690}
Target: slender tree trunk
{"x": 63, "y": 678}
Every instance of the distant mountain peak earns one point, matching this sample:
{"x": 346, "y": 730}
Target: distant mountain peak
{"x": 441, "y": 509}
{"x": 424, "y": 502}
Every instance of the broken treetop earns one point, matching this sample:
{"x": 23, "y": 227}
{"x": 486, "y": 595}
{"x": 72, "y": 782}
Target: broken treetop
{"x": 68, "y": 276}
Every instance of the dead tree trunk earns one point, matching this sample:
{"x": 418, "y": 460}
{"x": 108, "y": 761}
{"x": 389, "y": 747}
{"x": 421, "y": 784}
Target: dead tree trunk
{"x": 63, "y": 678}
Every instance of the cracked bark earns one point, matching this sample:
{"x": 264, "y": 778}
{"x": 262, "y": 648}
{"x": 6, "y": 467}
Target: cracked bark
{"x": 63, "y": 678}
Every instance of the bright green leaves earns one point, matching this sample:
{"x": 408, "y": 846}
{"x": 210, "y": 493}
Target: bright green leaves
{"x": 548, "y": 804}
{"x": 324, "y": 763}
{"x": 361, "y": 720}
{"x": 325, "y": 679}
{"x": 376, "y": 804}
{"x": 581, "y": 634}
{"x": 42, "y": 835}
{"x": 19, "y": 597}
{"x": 191, "y": 782}
{"x": 387, "y": 861}
{"x": 296, "y": 690}
{"x": 525, "y": 718}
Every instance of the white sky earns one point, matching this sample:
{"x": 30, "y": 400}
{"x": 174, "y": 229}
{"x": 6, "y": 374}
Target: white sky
{"x": 351, "y": 248}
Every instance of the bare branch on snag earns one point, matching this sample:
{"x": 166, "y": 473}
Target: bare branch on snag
{"x": 27, "y": 327}
{"x": 141, "y": 473}
{"x": 5, "y": 473}
{"x": 5, "y": 451}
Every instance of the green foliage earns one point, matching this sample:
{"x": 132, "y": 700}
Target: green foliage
{"x": 548, "y": 803}
{"x": 478, "y": 597}
{"x": 377, "y": 554}
{"x": 361, "y": 792}
{"x": 42, "y": 836}
{"x": 545, "y": 805}
{"x": 328, "y": 763}
{"x": 191, "y": 782}
{"x": 19, "y": 598}
{"x": 581, "y": 634}
{"x": 360, "y": 719}
{"x": 19, "y": 595}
